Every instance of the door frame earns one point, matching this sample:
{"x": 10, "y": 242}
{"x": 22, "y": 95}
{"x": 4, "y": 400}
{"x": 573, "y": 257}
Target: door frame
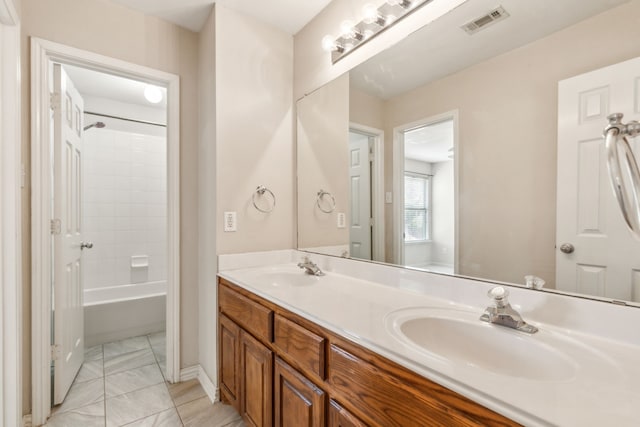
{"x": 377, "y": 189}
{"x": 10, "y": 218}
{"x": 43, "y": 54}
{"x": 398, "y": 183}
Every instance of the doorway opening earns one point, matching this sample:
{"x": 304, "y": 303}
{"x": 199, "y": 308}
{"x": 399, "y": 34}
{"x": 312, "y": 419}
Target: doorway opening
{"x": 366, "y": 194}
{"x": 425, "y": 180}
{"x": 105, "y": 156}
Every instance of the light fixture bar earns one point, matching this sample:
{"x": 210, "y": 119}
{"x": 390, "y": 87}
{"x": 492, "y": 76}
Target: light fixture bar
{"x": 375, "y": 21}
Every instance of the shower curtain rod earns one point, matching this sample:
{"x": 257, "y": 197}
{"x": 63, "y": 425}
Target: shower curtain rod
{"x": 128, "y": 120}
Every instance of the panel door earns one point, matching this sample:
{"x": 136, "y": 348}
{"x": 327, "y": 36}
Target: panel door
{"x": 298, "y": 402}
{"x": 340, "y": 417}
{"x": 360, "y": 196}
{"x": 229, "y": 339}
{"x": 257, "y": 379}
{"x": 606, "y": 260}
{"x": 67, "y": 202}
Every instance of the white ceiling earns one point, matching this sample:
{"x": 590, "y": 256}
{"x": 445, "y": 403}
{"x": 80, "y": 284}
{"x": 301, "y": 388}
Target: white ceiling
{"x": 288, "y": 15}
{"x": 430, "y": 143}
{"x": 442, "y": 47}
{"x": 102, "y": 85}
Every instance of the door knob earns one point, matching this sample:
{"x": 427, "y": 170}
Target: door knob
{"x": 87, "y": 245}
{"x": 567, "y": 248}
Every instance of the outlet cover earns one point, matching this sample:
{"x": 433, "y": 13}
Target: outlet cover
{"x": 230, "y": 221}
{"x": 342, "y": 220}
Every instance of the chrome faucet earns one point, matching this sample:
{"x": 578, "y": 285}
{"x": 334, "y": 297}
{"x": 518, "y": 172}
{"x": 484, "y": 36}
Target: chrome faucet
{"x": 501, "y": 313}
{"x": 310, "y": 267}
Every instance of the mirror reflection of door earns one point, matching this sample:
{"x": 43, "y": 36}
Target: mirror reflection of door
{"x": 429, "y": 194}
{"x": 361, "y": 219}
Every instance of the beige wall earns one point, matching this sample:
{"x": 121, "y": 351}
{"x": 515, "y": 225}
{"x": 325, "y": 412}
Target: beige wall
{"x": 365, "y": 109}
{"x": 112, "y": 30}
{"x": 323, "y": 147}
{"x": 508, "y": 110}
{"x": 254, "y": 121}
{"x": 207, "y": 295}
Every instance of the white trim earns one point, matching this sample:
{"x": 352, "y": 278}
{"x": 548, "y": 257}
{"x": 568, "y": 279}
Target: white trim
{"x": 43, "y": 52}
{"x": 398, "y": 179}
{"x": 189, "y": 373}
{"x": 10, "y": 218}
{"x": 208, "y": 385}
{"x": 377, "y": 189}
{"x": 197, "y": 372}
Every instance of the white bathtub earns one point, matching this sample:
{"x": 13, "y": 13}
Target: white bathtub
{"x": 119, "y": 312}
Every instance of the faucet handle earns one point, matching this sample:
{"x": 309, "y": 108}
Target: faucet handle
{"x": 499, "y": 296}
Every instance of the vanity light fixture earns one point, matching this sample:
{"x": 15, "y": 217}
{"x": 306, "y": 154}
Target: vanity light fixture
{"x": 375, "y": 19}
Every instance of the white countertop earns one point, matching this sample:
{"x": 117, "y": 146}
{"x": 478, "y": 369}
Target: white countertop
{"x": 602, "y": 388}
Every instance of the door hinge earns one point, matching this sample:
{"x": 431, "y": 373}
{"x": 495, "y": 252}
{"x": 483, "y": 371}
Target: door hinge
{"x": 56, "y": 352}
{"x": 371, "y": 223}
{"x": 54, "y": 100}
{"x": 56, "y": 226}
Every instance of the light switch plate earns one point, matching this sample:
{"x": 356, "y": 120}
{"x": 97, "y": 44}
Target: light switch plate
{"x": 342, "y": 221}
{"x": 388, "y": 197}
{"x": 230, "y": 221}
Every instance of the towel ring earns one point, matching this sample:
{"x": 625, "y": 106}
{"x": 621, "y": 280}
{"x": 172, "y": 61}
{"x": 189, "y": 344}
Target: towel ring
{"x": 260, "y": 192}
{"x": 319, "y": 199}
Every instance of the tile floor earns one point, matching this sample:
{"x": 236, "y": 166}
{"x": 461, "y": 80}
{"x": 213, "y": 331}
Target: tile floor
{"x": 122, "y": 384}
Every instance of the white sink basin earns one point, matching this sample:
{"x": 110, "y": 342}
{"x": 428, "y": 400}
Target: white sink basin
{"x": 458, "y": 336}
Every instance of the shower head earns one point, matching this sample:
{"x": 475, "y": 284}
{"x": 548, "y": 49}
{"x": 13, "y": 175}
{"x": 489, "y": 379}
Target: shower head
{"x": 99, "y": 125}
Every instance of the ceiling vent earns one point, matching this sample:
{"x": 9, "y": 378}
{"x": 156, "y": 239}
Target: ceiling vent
{"x": 497, "y": 14}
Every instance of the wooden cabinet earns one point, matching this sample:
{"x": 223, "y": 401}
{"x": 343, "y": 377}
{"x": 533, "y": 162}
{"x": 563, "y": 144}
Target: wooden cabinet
{"x": 256, "y": 364}
{"x": 340, "y": 417}
{"x": 229, "y": 350}
{"x": 278, "y": 368}
{"x": 298, "y": 402}
{"x": 246, "y": 374}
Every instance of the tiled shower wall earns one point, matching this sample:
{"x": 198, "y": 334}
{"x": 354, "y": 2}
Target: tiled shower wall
{"x": 124, "y": 207}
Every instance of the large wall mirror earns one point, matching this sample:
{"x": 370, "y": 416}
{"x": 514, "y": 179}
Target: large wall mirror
{"x": 480, "y": 153}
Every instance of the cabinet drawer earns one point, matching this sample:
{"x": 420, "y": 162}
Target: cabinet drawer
{"x": 385, "y": 398}
{"x": 302, "y": 345}
{"x": 340, "y": 417}
{"x": 253, "y": 317}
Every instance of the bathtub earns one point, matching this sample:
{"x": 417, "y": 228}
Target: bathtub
{"x": 118, "y": 312}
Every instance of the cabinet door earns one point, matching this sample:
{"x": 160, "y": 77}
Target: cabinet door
{"x": 229, "y": 362}
{"x": 298, "y": 402}
{"x": 256, "y": 362}
{"x": 340, "y": 417}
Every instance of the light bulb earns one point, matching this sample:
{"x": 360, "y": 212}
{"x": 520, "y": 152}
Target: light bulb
{"x": 369, "y": 13}
{"x": 346, "y": 28}
{"x": 329, "y": 43}
{"x": 153, "y": 94}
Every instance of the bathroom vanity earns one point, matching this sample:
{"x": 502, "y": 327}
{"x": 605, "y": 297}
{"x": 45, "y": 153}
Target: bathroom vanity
{"x": 373, "y": 345}
{"x": 276, "y": 363}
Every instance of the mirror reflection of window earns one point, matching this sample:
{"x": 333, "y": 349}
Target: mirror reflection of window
{"x": 417, "y": 207}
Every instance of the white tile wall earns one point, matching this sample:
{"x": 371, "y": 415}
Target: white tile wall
{"x": 124, "y": 206}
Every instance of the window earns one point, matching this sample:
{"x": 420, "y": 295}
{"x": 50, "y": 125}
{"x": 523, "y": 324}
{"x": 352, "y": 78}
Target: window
{"x": 417, "y": 212}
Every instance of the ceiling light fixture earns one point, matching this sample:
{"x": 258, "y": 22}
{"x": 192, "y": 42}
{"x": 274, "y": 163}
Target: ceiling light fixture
{"x": 153, "y": 94}
{"x": 374, "y": 20}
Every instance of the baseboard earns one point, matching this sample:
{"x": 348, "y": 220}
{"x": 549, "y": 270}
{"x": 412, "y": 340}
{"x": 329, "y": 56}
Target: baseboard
{"x": 196, "y": 372}
{"x": 26, "y": 421}
{"x": 208, "y": 385}
{"x": 190, "y": 373}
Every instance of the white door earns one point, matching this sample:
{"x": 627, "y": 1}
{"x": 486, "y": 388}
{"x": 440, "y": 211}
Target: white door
{"x": 360, "y": 196}
{"x": 606, "y": 259}
{"x": 67, "y": 301}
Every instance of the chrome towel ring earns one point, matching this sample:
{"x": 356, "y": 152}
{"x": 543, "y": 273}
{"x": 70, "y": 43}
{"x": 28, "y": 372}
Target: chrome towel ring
{"x": 615, "y": 137}
{"x": 260, "y": 191}
{"x": 320, "y": 198}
